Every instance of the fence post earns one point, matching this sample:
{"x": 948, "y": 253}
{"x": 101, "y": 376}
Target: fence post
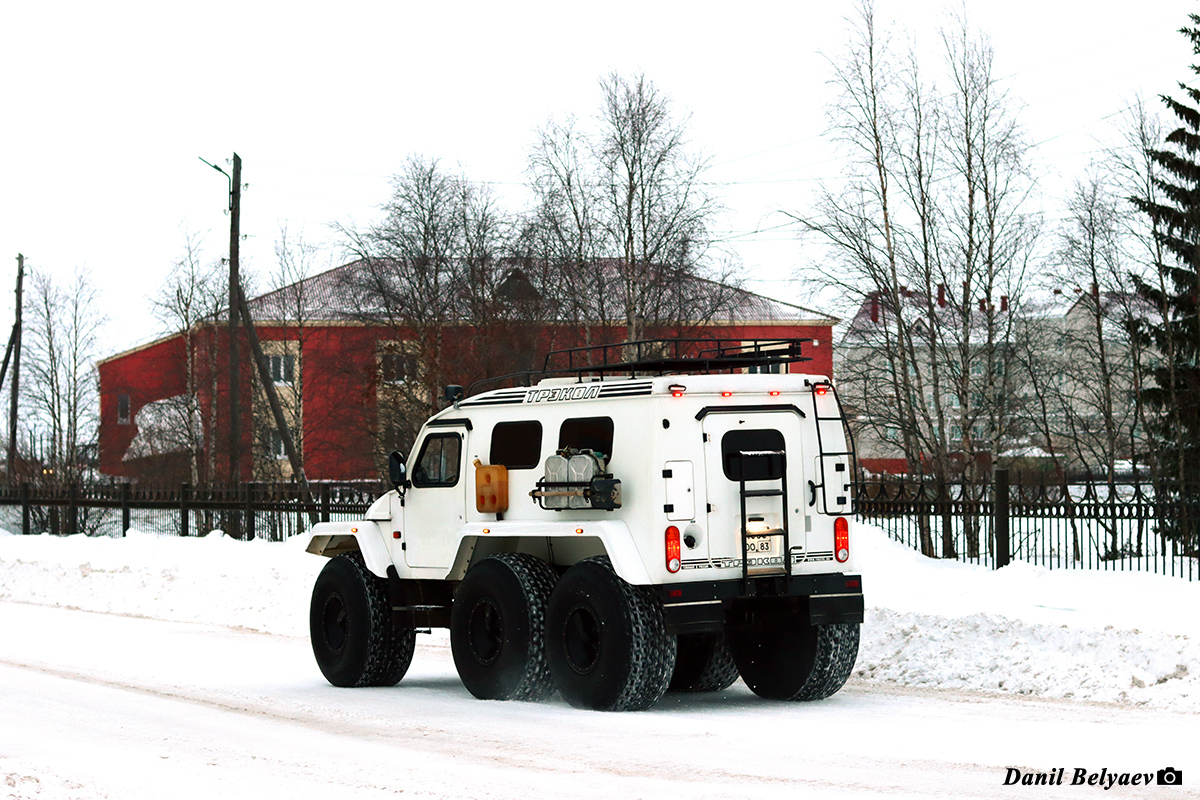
{"x": 72, "y": 508}
{"x": 25, "y": 522}
{"x": 324, "y": 502}
{"x": 248, "y": 492}
{"x": 125, "y": 494}
{"x": 1000, "y": 520}
{"x": 185, "y": 492}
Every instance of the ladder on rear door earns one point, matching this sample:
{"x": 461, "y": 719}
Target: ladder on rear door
{"x": 782, "y": 548}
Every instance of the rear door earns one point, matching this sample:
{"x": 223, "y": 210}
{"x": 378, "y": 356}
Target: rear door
{"x": 765, "y": 447}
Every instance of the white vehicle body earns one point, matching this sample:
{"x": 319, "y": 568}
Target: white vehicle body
{"x": 719, "y": 503}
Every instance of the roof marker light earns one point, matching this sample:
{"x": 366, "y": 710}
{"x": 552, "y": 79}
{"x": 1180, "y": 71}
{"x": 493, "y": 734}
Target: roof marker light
{"x": 726, "y": 394}
{"x": 774, "y": 393}
{"x": 821, "y": 388}
{"x": 677, "y": 390}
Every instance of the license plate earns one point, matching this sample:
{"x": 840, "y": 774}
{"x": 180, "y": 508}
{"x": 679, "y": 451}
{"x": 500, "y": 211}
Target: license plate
{"x": 764, "y": 554}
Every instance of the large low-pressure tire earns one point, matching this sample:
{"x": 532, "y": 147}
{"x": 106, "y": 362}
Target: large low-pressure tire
{"x": 781, "y": 656}
{"x": 350, "y": 626}
{"x": 606, "y": 641}
{"x": 497, "y": 628}
{"x": 703, "y": 664}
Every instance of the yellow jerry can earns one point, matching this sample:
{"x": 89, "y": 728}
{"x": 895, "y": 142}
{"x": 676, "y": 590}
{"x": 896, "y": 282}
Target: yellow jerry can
{"x": 491, "y": 488}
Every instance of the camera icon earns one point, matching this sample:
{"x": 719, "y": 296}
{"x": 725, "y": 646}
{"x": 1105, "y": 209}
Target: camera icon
{"x": 1169, "y": 776}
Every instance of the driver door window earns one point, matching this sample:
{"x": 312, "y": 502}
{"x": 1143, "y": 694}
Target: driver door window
{"x": 438, "y": 464}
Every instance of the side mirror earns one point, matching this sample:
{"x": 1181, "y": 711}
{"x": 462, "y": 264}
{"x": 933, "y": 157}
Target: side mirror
{"x": 396, "y": 469}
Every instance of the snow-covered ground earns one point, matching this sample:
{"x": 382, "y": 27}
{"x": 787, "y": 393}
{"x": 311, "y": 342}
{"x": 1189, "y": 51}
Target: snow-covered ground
{"x": 194, "y": 700}
{"x": 1113, "y": 637}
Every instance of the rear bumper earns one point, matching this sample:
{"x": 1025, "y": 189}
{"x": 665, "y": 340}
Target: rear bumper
{"x": 705, "y": 606}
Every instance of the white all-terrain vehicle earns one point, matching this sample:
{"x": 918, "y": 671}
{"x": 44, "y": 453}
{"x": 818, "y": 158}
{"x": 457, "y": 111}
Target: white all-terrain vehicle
{"x": 652, "y": 518}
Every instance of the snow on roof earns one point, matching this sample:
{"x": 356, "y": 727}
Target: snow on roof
{"x": 352, "y": 292}
{"x": 1057, "y": 308}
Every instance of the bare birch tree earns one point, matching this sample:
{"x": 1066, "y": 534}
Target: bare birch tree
{"x": 928, "y": 231}
{"x": 619, "y": 235}
{"x": 62, "y": 390}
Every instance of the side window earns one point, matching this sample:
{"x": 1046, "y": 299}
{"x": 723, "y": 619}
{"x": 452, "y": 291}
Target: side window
{"x": 517, "y": 445}
{"x": 438, "y": 464}
{"x": 759, "y": 467}
{"x": 587, "y": 433}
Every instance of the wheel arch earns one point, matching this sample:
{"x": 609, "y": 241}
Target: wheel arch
{"x": 560, "y": 545}
{"x": 333, "y": 538}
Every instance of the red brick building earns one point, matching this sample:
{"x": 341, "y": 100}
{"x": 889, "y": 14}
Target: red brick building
{"x": 352, "y": 386}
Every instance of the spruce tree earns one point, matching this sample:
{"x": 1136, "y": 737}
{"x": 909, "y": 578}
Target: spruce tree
{"x": 1173, "y": 331}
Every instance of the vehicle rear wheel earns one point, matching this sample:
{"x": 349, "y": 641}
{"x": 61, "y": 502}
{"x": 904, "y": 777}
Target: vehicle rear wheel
{"x": 606, "y": 641}
{"x": 497, "y": 628}
{"x": 703, "y": 664}
{"x": 781, "y": 656}
{"x": 350, "y": 626}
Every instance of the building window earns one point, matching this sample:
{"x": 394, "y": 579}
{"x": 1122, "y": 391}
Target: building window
{"x": 283, "y": 368}
{"x": 277, "y": 448}
{"x": 764, "y": 369}
{"x": 397, "y": 367}
{"x": 123, "y": 417}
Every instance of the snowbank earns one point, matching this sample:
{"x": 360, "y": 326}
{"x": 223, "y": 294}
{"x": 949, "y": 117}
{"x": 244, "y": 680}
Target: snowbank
{"x": 1105, "y": 636}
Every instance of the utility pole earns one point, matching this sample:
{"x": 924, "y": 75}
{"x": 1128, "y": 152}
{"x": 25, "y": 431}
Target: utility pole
{"x": 16, "y": 377}
{"x": 235, "y": 428}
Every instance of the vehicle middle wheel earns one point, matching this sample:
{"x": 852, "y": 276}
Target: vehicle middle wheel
{"x": 606, "y": 641}
{"x": 497, "y": 628}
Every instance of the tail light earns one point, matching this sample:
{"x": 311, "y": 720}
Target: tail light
{"x": 674, "y": 549}
{"x": 841, "y": 539}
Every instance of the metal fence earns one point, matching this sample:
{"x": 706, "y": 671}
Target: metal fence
{"x": 1131, "y": 525}
{"x": 270, "y": 511}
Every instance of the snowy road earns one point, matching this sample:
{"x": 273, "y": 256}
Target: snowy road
{"x": 101, "y": 705}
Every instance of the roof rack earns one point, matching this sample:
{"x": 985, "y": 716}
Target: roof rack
{"x": 657, "y": 357}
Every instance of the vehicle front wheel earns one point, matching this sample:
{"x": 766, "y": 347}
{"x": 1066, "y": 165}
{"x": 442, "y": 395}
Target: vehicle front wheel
{"x": 497, "y": 628}
{"x": 350, "y": 626}
{"x": 606, "y": 641}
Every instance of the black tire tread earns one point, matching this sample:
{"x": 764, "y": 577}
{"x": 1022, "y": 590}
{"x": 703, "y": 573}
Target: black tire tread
{"x": 837, "y": 650}
{"x": 704, "y": 664}
{"x": 537, "y": 581}
{"x": 651, "y": 651}
{"x": 389, "y": 651}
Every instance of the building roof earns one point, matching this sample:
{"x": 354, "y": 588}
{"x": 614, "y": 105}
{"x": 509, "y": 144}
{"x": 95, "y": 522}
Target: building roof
{"x": 346, "y": 293}
{"x": 1059, "y": 308}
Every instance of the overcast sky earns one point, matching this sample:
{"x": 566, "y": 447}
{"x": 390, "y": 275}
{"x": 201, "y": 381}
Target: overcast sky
{"x": 106, "y": 107}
